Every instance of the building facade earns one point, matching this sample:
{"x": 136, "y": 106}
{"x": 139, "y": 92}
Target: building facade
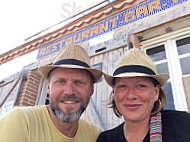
{"x": 161, "y": 28}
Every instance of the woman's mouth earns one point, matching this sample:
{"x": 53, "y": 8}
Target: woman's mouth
{"x": 132, "y": 106}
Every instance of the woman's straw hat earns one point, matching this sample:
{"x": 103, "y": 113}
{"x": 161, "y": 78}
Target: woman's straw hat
{"x": 71, "y": 56}
{"x": 136, "y": 63}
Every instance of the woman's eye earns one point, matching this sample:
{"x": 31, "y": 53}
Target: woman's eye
{"x": 78, "y": 82}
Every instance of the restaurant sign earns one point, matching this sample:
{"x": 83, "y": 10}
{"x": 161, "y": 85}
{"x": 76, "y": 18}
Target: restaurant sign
{"x": 131, "y": 15}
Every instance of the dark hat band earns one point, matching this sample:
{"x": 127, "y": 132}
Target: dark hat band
{"x": 71, "y": 62}
{"x": 133, "y": 68}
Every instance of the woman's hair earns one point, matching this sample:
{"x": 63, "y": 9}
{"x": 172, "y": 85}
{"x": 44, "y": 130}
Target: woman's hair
{"x": 158, "y": 105}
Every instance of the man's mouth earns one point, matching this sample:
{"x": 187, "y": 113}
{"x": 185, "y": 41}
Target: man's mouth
{"x": 69, "y": 101}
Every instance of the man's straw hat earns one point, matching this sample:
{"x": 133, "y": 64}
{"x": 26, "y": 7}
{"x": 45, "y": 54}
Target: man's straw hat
{"x": 71, "y": 56}
{"x": 136, "y": 63}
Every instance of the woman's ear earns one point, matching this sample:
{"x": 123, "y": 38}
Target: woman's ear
{"x": 157, "y": 92}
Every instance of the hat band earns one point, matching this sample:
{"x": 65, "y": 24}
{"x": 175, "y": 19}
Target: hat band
{"x": 133, "y": 68}
{"x": 71, "y": 62}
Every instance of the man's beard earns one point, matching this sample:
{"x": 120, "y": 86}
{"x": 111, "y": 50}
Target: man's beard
{"x": 67, "y": 116}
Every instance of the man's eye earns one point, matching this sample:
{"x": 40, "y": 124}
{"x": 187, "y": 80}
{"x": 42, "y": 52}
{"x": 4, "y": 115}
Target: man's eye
{"x": 122, "y": 86}
{"x": 60, "y": 81}
{"x": 141, "y": 86}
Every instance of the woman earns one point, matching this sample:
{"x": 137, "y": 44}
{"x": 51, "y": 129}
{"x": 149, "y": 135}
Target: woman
{"x": 138, "y": 97}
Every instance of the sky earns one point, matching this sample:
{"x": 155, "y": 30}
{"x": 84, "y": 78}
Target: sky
{"x": 21, "y": 19}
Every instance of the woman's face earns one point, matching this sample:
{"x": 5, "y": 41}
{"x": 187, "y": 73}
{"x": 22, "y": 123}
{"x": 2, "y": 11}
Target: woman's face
{"x": 135, "y": 97}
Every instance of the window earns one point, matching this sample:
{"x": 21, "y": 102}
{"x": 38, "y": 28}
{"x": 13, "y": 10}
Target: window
{"x": 171, "y": 54}
{"x": 183, "y": 48}
{"x": 158, "y": 55}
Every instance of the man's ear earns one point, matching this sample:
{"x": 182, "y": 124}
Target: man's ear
{"x": 48, "y": 87}
{"x": 92, "y": 90}
{"x": 113, "y": 92}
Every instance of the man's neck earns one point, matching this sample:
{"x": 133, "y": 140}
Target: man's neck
{"x": 67, "y": 129}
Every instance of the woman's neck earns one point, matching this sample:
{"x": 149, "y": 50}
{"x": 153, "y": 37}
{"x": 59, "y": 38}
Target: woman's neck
{"x": 136, "y": 131}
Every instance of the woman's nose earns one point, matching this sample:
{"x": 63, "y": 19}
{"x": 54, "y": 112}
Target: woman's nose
{"x": 131, "y": 93}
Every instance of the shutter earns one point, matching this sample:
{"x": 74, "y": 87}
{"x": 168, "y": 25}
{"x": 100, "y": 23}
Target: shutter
{"x": 186, "y": 83}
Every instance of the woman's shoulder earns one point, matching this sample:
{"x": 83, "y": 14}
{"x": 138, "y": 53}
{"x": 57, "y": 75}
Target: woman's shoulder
{"x": 112, "y": 135}
{"x": 175, "y": 119}
{"x": 114, "y": 130}
{"x": 175, "y": 113}
{"x": 175, "y": 125}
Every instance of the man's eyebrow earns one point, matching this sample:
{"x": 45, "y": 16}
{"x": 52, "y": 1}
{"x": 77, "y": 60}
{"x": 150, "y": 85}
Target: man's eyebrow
{"x": 59, "y": 78}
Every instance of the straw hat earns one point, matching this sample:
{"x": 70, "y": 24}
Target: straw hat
{"x": 136, "y": 63}
{"x": 71, "y": 56}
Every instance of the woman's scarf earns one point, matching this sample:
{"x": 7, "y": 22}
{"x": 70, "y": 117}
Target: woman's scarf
{"x": 156, "y": 128}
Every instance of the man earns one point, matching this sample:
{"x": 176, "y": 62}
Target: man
{"x": 70, "y": 83}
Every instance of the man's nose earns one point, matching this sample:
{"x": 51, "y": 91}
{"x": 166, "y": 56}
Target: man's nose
{"x": 69, "y": 89}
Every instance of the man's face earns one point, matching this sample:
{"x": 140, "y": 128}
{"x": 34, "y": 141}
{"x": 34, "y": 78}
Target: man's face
{"x": 70, "y": 91}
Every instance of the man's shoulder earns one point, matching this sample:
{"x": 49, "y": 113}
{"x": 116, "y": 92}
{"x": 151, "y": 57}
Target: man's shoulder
{"x": 34, "y": 111}
{"x": 87, "y": 124}
{"x": 89, "y": 127}
{"x": 87, "y": 130}
{"x": 23, "y": 111}
{"x": 31, "y": 108}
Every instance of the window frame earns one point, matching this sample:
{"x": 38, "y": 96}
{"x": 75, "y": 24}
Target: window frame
{"x": 174, "y": 67}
